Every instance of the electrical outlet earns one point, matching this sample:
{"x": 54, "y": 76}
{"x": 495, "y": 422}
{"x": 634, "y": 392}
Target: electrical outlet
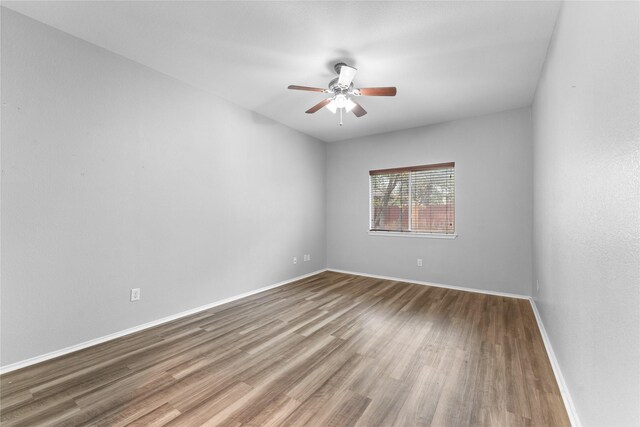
{"x": 135, "y": 294}
{"x": 419, "y": 262}
{"x": 295, "y": 260}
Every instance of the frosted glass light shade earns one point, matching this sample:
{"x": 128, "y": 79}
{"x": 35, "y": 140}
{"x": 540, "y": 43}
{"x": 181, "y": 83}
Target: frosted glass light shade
{"x": 340, "y": 100}
{"x": 349, "y": 105}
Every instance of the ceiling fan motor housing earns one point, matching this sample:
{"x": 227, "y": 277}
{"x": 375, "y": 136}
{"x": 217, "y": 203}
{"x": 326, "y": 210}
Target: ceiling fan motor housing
{"x": 336, "y": 88}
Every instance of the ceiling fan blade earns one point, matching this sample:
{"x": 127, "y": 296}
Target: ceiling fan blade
{"x": 347, "y": 74}
{"x": 377, "y": 91}
{"x": 318, "y": 106}
{"x": 310, "y": 89}
{"x": 358, "y": 110}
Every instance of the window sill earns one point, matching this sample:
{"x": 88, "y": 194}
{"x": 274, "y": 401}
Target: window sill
{"x": 413, "y": 234}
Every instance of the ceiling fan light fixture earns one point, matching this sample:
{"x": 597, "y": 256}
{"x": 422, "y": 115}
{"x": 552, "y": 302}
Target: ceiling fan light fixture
{"x": 340, "y": 100}
{"x": 332, "y": 106}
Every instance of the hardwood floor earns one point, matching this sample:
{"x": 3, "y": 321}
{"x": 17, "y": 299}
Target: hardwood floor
{"x": 330, "y": 350}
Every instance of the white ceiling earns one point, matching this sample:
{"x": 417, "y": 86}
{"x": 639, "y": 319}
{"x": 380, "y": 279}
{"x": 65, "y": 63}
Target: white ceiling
{"x": 449, "y": 60}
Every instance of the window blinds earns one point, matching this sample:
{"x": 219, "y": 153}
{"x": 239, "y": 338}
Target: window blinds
{"x": 419, "y": 199}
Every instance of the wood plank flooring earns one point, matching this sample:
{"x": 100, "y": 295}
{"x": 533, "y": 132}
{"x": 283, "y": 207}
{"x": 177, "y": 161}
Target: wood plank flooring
{"x": 330, "y": 350}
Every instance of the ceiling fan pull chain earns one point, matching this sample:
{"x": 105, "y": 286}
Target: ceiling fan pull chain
{"x": 341, "y": 116}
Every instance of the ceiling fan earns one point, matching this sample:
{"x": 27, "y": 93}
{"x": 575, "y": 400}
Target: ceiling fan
{"x": 342, "y": 93}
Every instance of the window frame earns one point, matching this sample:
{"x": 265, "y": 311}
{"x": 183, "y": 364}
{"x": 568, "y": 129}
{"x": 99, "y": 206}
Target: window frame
{"x": 411, "y": 233}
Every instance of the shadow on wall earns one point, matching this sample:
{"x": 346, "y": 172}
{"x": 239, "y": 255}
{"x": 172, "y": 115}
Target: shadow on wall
{"x": 259, "y": 119}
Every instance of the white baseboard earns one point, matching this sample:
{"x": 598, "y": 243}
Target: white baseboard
{"x": 100, "y": 340}
{"x": 564, "y": 390}
{"x": 437, "y": 285}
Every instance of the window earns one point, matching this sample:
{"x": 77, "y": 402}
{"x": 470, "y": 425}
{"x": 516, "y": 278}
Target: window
{"x": 419, "y": 199}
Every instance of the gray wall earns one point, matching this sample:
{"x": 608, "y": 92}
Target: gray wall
{"x": 587, "y": 207}
{"x": 116, "y": 176}
{"x": 493, "y": 204}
